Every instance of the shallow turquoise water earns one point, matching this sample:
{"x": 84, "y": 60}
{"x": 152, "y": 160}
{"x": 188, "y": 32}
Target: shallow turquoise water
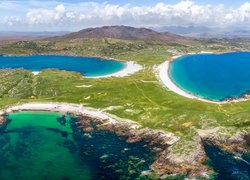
{"x": 46, "y": 145}
{"x": 213, "y": 76}
{"x": 85, "y": 65}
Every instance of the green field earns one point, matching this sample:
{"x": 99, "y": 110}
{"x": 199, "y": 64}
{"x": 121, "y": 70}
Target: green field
{"x": 139, "y": 97}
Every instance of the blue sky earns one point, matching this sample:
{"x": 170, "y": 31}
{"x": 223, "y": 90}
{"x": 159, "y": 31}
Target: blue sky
{"x": 54, "y": 15}
{"x": 228, "y": 3}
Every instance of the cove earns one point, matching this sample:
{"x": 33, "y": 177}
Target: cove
{"x": 226, "y": 165}
{"x": 216, "y": 77}
{"x": 87, "y": 66}
{"x": 48, "y": 145}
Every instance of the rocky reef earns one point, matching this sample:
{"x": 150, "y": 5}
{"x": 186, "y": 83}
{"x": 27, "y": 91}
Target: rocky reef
{"x": 167, "y": 163}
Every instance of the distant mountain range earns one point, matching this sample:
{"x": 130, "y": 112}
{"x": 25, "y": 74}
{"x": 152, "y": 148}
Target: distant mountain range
{"x": 122, "y": 32}
{"x": 161, "y": 34}
{"x": 11, "y": 35}
{"x": 206, "y": 32}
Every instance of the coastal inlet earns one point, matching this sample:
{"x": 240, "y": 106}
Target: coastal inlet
{"x": 87, "y": 66}
{"x": 210, "y": 77}
{"x": 85, "y": 143}
{"x": 48, "y": 145}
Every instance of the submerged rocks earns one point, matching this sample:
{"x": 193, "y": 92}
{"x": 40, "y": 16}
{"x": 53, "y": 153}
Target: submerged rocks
{"x": 166, "y": 163}
{"x": 62, "y": 120}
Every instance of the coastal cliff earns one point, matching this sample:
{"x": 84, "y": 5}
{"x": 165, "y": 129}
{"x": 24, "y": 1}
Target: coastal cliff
{"x": 236, "y": 144}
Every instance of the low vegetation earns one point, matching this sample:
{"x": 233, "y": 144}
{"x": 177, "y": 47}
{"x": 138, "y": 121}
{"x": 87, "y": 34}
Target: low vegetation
{"x": 139, "y": 97}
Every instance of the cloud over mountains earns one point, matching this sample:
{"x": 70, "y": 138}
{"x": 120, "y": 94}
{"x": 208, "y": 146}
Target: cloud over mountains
{"x": 69, "y": 16}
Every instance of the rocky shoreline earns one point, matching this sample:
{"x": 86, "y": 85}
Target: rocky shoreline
{"x": 237, "y": 144}
{"x": 167, "y": 164}
{"x": 2, "y": 117}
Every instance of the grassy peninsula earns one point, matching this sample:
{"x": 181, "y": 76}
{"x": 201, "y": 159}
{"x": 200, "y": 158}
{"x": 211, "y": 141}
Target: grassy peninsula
{"x": 140, "y": 97}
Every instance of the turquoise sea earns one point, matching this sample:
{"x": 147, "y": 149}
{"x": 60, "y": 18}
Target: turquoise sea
{"x": 85, "y": 65}
{"x": 48, "y": 145}
{"x": 213, "y": 76}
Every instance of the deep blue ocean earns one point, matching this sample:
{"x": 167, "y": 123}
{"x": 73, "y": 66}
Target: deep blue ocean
{"x": 213, "y": 76}
{"x": 226, "y": 165}
{"x": 85, "y": 65}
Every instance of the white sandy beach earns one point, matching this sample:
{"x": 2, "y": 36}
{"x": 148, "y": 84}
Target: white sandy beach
{"x": 165, "y": 79}
{"x": 60, "y": 107}
{"x": 81, "y": 110}
{"x": 35, "y": 72}
{"x": 131, "y": 68}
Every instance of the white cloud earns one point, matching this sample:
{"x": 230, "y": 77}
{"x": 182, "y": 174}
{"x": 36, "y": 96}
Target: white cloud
{"x": 184, "y": 13}
{"x": 240, "y": 15}
{"x": 46, "y": 17}
{"x": 60, "y": 9}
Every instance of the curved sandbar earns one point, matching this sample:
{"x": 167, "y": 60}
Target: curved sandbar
{"x": 163, "y": 74}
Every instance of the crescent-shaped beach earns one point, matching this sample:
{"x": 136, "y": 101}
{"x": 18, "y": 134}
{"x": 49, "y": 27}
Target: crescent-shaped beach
{"x": 165, "y": 79}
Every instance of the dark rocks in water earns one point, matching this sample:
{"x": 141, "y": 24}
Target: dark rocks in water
{"x": 20, "y": 149}
{"x": 243, "y": 96}
{"x": 109, "y": 157}
{"x": 63, "y": 133}
{"x": 65, "y": 178}
{"x": 4, "y": 121}
{"x": 157, "y": 141}
{"x": 123, "y": 162}
{"x": 229, "y": 157}
{"x": 62, "y": 120}
{"x": 165, "y": 164}
{"x": 227, "y": 165}
{"x": 71, "y": 146}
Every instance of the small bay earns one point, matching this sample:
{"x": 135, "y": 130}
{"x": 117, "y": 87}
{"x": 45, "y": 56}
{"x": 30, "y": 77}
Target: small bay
{"x": 87, "y": 66}
{"x": 213, "y": 76}
{"x": 48, "y": 145}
